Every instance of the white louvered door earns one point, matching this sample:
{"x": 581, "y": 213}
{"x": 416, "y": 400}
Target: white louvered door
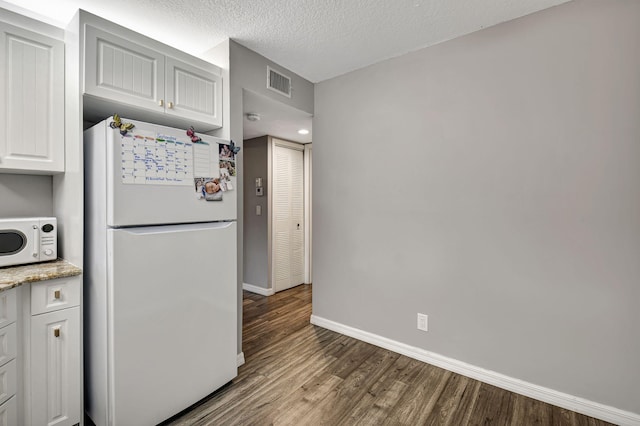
{"x": 288, "y": 217}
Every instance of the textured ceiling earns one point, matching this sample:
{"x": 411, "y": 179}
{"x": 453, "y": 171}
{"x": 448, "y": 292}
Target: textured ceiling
{"x": 317, "y": 39}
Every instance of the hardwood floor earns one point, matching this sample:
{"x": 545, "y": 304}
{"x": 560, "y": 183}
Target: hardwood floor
{"x": 299, "y": 374}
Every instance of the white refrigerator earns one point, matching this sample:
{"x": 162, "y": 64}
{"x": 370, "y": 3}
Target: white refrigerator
{"x": 160, "y": 298}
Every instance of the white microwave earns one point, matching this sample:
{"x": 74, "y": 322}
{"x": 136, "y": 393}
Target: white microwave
{"x": 28, "y": 240}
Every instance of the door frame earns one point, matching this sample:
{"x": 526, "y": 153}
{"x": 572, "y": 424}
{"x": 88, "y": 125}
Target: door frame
{"x": 308, "y": 217}
{"x": 271, "y": 144}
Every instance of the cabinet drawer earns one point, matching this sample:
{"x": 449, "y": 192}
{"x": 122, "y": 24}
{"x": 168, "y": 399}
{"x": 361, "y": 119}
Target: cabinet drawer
{"x": 9, "y": 413}
{"x": 52, "y": 295}
{"x": 7, "y": 307}
{"x": 8, "y": 374}
{"x": 8, "y": 343}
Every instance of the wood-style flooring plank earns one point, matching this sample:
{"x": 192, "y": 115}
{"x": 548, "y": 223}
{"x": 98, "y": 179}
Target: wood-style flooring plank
{"x": 417, "y": 406}
{"x": 376, "y": 404}
{"x": 340, "y": 401}
{"x": 531, "y": 412}
{"x": 494, "y": 406}
{"x": 451, "y": 405}
{"x": 299, "y": 374}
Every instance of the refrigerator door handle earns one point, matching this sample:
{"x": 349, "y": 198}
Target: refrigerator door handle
{"x": 163, "y": 229}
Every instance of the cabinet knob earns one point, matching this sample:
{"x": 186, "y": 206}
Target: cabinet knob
{"x": 161, "y": 102}
{"x": 170, "y": 105}
{"x": 56, "y": 332}
{"x": 56, "y": 294}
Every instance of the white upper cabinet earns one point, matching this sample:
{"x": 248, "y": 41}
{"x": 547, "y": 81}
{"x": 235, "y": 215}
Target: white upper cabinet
{"x": 31, "y": 102}
{"x": 139, "y": 78}
{"x": 192, "y": 93}
{"x": 121, "y": 70}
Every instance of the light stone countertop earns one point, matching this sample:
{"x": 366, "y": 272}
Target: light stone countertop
{"x": 13, "y": 276}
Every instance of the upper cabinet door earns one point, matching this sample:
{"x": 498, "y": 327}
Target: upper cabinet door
{"x": 193, "y": 93}
{"x": 31, "y": 102}
{"x": 123, "y": 71}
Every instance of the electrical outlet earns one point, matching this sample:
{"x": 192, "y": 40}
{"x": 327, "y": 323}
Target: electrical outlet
{"x": 423, "y": 322}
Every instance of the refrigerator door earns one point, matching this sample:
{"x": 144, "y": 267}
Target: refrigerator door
{"x": 172, "y": 318}
{"x": 151, "y": 176}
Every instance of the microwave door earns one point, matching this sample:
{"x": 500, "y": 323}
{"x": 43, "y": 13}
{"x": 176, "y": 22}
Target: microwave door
{"x": 12, "y": 242}
{"x": 19, "y": 245}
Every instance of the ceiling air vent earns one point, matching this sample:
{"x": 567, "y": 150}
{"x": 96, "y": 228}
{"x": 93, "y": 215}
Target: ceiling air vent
{"x": 278, "y": 82}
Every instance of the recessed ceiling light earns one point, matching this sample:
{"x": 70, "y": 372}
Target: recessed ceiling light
{"x": 303, "y": 131}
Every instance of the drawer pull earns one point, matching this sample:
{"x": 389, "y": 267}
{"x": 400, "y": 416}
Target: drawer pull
{"x": 56, "y": 332}
{"x": 170, "y": 105}
{"x": 161, "y": 102}
{"x": 56, "y": 294}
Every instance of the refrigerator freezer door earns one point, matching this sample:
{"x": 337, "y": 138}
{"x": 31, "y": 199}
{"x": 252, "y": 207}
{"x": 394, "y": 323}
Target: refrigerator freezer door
{"x": 172, "y": 318}
{"x": 155, "y": 200}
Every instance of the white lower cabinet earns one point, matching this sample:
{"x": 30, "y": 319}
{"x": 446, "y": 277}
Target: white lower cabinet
{"x": 55, "y": 368}
{"x": 41, "y": 354}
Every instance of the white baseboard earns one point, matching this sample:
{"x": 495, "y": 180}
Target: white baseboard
{"x": 258, "y": 290}
{"x": 560, "y": 399}
{"x": 240, "y": 359}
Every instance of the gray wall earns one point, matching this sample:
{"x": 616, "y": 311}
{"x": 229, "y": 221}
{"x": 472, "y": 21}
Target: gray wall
{"x": 244, "y": 69}
{"x": 25, "y": 195}
{"x": 491, "y": 182}
{"x": 249, "y": 71}
{"x": 256, "y": 249}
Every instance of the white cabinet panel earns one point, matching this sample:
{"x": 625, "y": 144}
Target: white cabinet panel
{"x": 123, "y": 71}
{"x": 7, "y": 307}
{"x": 55, "y": 368}
{"x": 8, "y": 343}
{"x": 9, "y": 413}
{"x": 193, "y": 93}
{"x": 8, "y": 381}
{"x": 31, "y": 101}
